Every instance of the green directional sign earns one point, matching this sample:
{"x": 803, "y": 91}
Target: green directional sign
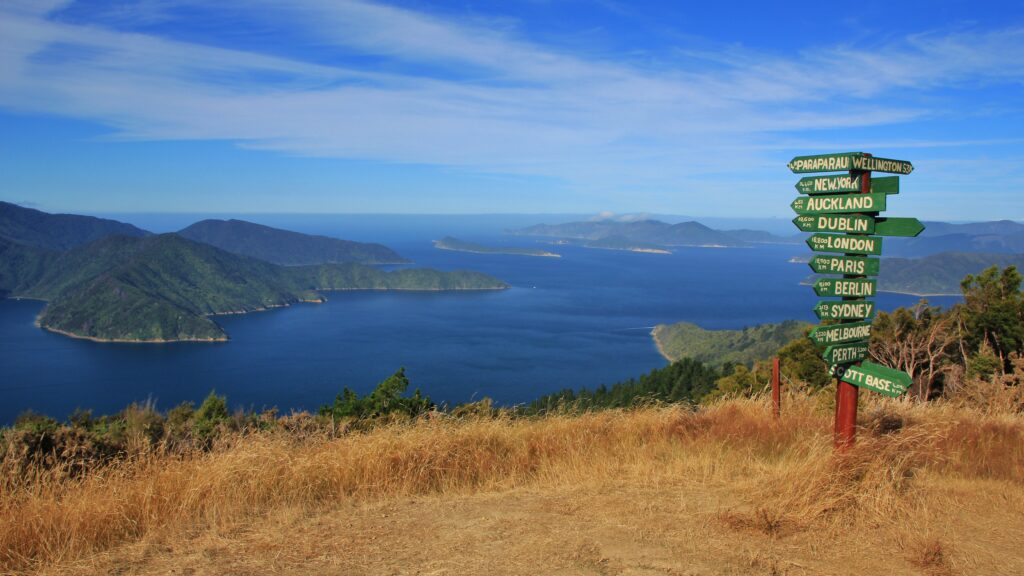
{"x": 839, "y": 204}
{"x": 876, "y": 164}
{"x": 846, "y": 183}
{"x": 846, "y": 162}
{"x": 840, "y": 333}
{"x": 855, "y": 287}
{"x": 898, "y": 227}
{"x": 853, "y": 265}
{"x": 844, "y": 309}
{"x": 885, "y": 185}
{"x": 846, "y": 353}
{"x": 842, "y": 162}
{"x": 881, "y": 379}
{"x": 850, "y": 223}
{"x": 845, "y": 244}
{"x": 829, "y": 184}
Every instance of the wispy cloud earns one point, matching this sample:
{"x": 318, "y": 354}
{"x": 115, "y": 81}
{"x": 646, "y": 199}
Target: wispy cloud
{"x": 475, "y": 95}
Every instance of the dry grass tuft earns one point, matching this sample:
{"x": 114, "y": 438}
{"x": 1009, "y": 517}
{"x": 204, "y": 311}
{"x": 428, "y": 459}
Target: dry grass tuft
{"x": 784, "y": 473}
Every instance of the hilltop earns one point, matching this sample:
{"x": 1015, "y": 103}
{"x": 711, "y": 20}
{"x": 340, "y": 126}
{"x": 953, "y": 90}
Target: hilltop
{"x": 656, "y": 490}
{"x": 284, "y": 246}
{"x": 57, "y": 232}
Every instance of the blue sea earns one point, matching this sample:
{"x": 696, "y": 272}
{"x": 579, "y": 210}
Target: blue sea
{"x": 580, "y": 320}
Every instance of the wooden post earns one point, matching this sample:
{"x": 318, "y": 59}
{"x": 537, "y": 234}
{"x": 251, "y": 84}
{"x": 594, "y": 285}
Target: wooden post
{"x": 846, "y": 394}
{"x": 776, "y": 389}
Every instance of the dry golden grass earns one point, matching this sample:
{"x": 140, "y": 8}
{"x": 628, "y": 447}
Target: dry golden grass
{"x": 928, "y": 489}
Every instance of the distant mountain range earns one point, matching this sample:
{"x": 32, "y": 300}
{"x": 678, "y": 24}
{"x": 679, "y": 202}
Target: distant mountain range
{"x": 939, "y": 273}
{"x": 157, "y": 288}
{"x": 286, "y": 247}
{"x": 651, "y": 233}
{"x": 1003, "y": 237}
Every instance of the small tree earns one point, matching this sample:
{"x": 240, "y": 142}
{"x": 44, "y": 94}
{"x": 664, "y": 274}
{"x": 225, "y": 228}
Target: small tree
{"x": 918, "y": 340}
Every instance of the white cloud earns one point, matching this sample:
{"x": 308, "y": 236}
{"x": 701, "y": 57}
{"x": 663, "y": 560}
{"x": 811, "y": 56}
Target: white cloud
{"x": 477, "y": 96}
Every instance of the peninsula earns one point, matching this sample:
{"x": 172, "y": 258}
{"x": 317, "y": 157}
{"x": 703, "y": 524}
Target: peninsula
{"x": 456, "y": 245}
{"x": 167, "y": 288}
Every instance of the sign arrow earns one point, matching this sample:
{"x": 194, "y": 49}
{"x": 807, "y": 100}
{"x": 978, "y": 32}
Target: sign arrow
{"x": 846, "y": 183}
{"x": 848, "y": 287}
{"x": 881, "y": 379}
{"x": 845, "y": 309}
{"x": 839, "y": 203}
{"x": 850, "y": 223}
{"x": 846, "y": 353}
{"x": 856, "y": 266}
{"x": 845, "y": 244}
{"x": 908, "y": 227}
{"x": 840, "y": 333}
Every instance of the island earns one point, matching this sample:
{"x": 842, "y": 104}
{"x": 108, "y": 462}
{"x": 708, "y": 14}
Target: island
{"x": 648, "y": 235}
{"x": 456, "y": 245}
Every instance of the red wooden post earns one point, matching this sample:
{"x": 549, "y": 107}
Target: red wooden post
{"x": 846, "y": 394}
{"x": 776, "y": 389}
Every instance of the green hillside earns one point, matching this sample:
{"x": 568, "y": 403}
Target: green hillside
{"x": 718, "y": 347}
{"x": 939, "y": 273}
{"x": 57, "y": 231}
{"x": 165, "y": 287}
{"x": 284, "y": 246}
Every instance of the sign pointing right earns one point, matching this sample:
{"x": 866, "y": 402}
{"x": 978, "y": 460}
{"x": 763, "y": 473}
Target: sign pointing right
{"x": 908, "y": 227}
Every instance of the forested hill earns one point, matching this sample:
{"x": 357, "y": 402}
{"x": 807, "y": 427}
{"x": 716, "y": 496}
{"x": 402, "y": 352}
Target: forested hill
{"x": 284, "y": 246}
{"x": 57, "y": 232}
{"x": 719, "y": 347}
{"x": 165, "y": 287}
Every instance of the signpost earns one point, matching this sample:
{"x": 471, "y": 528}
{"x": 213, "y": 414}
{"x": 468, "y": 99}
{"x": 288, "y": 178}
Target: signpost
{"x": 842, "y": 213}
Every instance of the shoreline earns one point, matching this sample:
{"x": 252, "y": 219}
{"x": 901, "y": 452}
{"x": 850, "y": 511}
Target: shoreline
{"x": 126, "y": 341}
{"x": 658, "y": 344}
{"x": 499, "y": 252}
{"x": 226, "y": 337}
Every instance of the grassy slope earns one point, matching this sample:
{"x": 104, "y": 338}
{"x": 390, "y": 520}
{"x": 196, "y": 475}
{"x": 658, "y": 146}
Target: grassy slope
{"x": 727, "y": 490}
{"x": 716, "y": 347}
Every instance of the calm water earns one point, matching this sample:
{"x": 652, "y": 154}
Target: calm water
{"x": 580, "y": 320}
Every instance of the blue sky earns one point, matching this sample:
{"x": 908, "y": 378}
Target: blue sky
{"x": 537, "y": 106}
